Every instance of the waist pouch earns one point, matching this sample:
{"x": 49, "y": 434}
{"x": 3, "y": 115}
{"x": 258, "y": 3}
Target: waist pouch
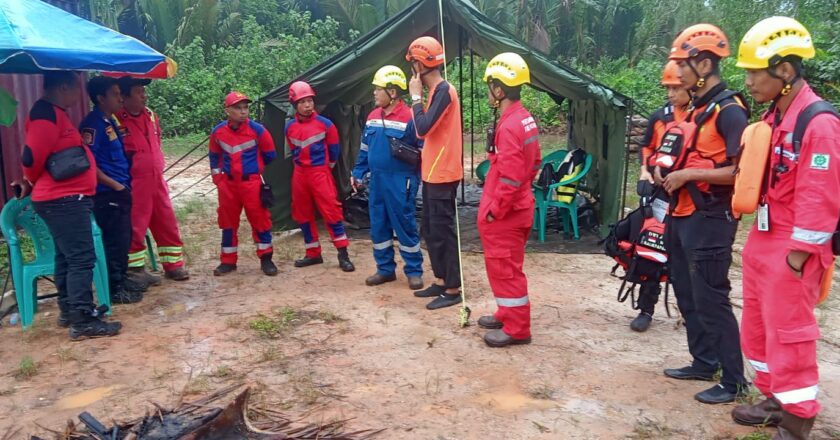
{"x": 67, "y": 163}
{"x": 404, "y": 152}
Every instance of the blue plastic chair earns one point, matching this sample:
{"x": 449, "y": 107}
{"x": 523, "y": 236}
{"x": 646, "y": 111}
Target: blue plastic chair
{"x": 19, "y": 214}
{"x": 545, "y": 200}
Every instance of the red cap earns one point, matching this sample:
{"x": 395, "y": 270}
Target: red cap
{"x": 234, "y": 98}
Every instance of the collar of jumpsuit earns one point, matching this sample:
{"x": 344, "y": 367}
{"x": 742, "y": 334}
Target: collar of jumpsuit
{"x": 513, "y": 108}
{"x": 804, "y": 97}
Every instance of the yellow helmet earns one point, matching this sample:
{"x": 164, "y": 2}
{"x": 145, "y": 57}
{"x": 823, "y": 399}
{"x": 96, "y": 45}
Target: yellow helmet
{"x": 772, "y": 39}
{"x": 390, "y": 75}
{"x": 509, "y": 68}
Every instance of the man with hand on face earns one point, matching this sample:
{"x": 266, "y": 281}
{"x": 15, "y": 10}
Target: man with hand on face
{"x": 313, "y": 141}
{"x": 393, "y": 182}
{"x": 151, "y": 207}
{"x": 506, "y": 211}
{"x": 112, "y": 202}
{"x": 438, "y": 123}
{"x": 239, "y": 151}
{"x": 789, "y": 250}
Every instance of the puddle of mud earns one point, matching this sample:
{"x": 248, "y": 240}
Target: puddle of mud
{"x": 85, "y": 398}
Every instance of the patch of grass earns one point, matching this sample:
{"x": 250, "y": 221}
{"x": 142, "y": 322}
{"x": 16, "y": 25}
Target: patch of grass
{"x": 755, "y": 435}
{"x": 222, "y": 371}
{"x": 652, "y": 429}
{"x": 190, "y": 207}
{"x": 329, "y": 317}
{"x": 197, "y": 385}
{"x": 287, "y": 315}
{"x": 752, "y": 397}
{"x": 179, "y": 145}
{"x": 543, "y": 391}
{"x": 269, "y": 354}
{"x": 265, "y": 326}
{"x": 67, "y": 354}
{"x": 27, "y": 369}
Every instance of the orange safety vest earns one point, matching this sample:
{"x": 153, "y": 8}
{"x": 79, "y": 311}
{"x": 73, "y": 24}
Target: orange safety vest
{"x": 443, "y": 144}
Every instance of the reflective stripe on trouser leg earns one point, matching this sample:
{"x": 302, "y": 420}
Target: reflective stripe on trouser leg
{"x": 137, "y": 259}
{"x": 753, "y": 341}
{"x": 381, "y": 232}
{"x": 310, "y": 239}
{"x": 230, "y": 243}
{"x": 504, "y": 254}
{"x": 790, "y": 328}
{"x": 400, "y": 195}
{"x": 171, "y": 254}
{"x": 164, "y": 224}
{"x": 258, "y": 216}
{"x": 229, "y": 212}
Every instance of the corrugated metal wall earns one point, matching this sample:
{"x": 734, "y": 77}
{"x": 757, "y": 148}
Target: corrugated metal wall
{"x": 26, "y": 89}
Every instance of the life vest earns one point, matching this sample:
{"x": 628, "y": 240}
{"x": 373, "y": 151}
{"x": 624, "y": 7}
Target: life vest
{"x": 753, "y": 172}
{"x": 751, "y": 169}
{"x": 681, "y": 147}
{"x": 571, "y": 166}
{"x": 638, "y": 246}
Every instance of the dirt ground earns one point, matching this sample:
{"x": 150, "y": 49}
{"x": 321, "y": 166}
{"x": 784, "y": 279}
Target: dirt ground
{"x": 317, "y": 341}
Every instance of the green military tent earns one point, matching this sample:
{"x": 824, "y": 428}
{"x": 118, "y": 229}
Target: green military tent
{"x": 597, "y": 116}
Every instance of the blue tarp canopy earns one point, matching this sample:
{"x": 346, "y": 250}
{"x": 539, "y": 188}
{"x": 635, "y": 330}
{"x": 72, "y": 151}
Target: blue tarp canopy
{"x": 36, "y": 36}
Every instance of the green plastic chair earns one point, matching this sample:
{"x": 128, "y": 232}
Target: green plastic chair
{"x": 544, "y": 197}
{"x": 481, "y": 170}
{"x": 19, "y": 214}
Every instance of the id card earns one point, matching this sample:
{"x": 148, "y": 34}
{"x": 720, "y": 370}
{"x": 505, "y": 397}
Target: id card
{"x": 660, "y": 208}
{"x": 763, "y": 218}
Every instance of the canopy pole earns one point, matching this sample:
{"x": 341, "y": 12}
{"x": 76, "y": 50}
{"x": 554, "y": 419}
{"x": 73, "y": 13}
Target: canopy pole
{"x": 461, "y": 94}
{"x": 472, "y": 112}
{"x": 628, "y": 133}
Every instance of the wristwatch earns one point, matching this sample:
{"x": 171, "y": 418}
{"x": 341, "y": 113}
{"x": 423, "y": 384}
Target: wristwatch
{"x": 416, "y": 98}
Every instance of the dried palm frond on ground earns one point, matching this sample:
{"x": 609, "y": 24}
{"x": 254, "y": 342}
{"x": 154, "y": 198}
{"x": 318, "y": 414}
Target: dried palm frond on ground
{"x": 203, "y": 420}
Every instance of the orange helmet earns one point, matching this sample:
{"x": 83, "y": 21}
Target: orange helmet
{"x": 699, "y": 38}
{"x": 299, "y": 90}
{"x": 669, "y": 74}
{"x": 426, "y": 50}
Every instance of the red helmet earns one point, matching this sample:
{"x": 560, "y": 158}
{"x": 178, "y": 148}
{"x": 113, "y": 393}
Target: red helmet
{"x": 670, "y": 75}
{"x": 235, "y": 97}
{"x": 299, "y": 90}
{"x": 426, "y": 50}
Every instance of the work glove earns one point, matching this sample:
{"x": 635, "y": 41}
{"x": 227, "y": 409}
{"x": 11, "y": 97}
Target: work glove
{"x": 266, "y": 196}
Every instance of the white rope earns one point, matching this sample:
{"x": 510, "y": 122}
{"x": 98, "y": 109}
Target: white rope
{"x": 463, "y": 312}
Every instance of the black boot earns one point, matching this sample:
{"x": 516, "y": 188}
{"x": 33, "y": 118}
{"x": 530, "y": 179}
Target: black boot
{"x": 309, "y": 261}
{"x": 267, "y": 265}
{"x": 63, "y": 319}
{"x": 224, "y": 269}
{"x": 641, "y": 323}
{"x": 89, "y": 324}
{"x": 344, "y": 260}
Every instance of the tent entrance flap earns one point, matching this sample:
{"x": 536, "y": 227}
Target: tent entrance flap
{"x": 597, "y": 114}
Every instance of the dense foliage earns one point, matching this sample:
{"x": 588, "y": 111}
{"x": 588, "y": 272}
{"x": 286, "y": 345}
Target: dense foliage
{"x": 255, "y": 45}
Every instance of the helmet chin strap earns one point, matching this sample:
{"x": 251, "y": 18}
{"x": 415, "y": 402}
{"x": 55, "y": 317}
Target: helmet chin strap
{"x": 788, "y": 85}
{"x": 701, "y": 81}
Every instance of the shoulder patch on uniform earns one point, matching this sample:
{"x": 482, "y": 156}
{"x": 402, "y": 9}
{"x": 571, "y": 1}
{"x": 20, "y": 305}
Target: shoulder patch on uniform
{"x": 43, "y": 110}
{"x": 88, "y": 135}
{"x": 820, "y": 161}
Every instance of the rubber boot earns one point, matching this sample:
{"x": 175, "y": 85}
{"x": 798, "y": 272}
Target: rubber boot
{"x": 267, "y": 265}
{"x": 768, "y": 412}
{"x": 794, "y": 428}
{"x": 344, "y": 260}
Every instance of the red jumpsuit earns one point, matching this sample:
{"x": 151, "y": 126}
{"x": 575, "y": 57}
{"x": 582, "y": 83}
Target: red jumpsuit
{"x": 314, "y": 145}
{"x": 151, "y": 208}
{"x": 508, "y": 198}
{"x": 778, "y": 329}
{"x": 237, "y": 159}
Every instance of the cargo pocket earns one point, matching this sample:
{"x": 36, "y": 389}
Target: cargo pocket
{"x": 712, "y": 266}
{"x": 498, "y": 263}
{"x": 799, "y": 346}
